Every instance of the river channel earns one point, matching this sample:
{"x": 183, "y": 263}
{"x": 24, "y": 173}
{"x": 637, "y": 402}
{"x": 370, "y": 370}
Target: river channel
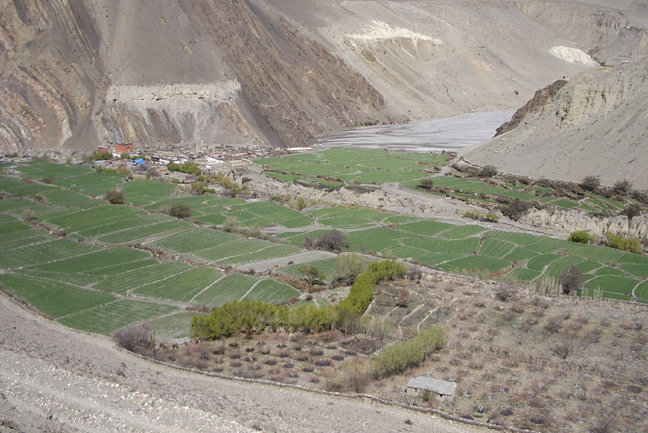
{"x": 451, "y": 134}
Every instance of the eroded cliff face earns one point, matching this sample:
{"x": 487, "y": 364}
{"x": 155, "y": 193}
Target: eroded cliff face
{"x": 51, "y": 75}
{"x": 594, "y": 126}
{"x": 77, "y": 73}
{"x": 291, "y": 85}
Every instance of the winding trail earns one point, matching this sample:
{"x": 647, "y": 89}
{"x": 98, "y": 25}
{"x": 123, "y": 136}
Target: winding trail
{"x": 54, "y": 378}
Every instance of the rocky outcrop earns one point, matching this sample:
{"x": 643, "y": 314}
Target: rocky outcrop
{"x": 569, "y": 221}
{"x": 595, "y": 126}
{"x": 539, "y": 101}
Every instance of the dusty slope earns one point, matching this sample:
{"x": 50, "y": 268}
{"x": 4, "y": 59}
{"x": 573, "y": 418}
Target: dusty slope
{"x": 76, "y": 73}
{"x": 440, "y": 58}
{"x": 56, "y": 379}
{"x": 597, "y": 124}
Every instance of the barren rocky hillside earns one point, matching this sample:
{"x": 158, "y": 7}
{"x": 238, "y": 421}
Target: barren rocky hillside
{"x": 595, "y": 125}
{"x": 77, "y": 73}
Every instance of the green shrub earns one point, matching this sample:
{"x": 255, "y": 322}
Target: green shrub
{"x": 481, "y": 216}
{"x": 115, "y": 197}
{"x": 426, "y": 183}
{"x": 362, "y": 291}
{"x": 571, "y": 281}
{"x": 180, "y": 210}
{"x": 625, "y": 244}
{"x": 188, "y": 167}
{"x": 250, "y": 317}
{"x": 590, "y": 183}
{"x": 399, "y": 357}
{"x": 99, "y": 156}
{"x": 348, "y": 267}
{"x": 579, "y": 236}
{"x": 487, "y": 171}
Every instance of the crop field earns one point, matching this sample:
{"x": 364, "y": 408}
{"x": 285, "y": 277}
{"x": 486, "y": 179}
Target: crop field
{"x": 99, "y": 267}
{"x": 338, "y": 166}
{"x": 92, "y": 275}
{"x": 490, "y": 190}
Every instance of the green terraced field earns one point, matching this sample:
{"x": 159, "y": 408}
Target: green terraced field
{"x": 53, "y": 298}
{"x": 228, "y": 289}
{"x": 271, "y": 291}
{"x": 342, "y": 165}
{"x": 181, "y": 286}
{"x": 107, "y": 318}
{"x": 95, "y": 275}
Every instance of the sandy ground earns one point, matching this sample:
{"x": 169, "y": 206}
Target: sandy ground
{"x": 56, "y": 379}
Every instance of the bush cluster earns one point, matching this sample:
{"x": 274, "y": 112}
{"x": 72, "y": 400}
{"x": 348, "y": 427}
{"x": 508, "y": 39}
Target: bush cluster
{"x": 99, "y": 156}
{"x": 580, "y": 237}
{"x": 134, "y": 338}
{"x": 329, "y": 241}
{"x": 625, "y": 244}
{"x": 402, "y": 356}
{"x": 250, "y": 317}
{"x": 348, "y": 267}
{"x": 487, "y": 171}
{"x": 362, "y": 291}
{"x": 590, "y": 183}
{"x": 115, "y": 197}
{"x": 516, "y": 209}
{"x": 481, "y": 216}
{"x": 180, "y": 210}
{"x": 188, "y": 167}
{"x": 254, "y": 316}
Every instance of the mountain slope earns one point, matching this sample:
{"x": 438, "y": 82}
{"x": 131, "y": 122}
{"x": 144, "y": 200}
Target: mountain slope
{"x": 277, "y": 73}
{"x": 595, "y": 125}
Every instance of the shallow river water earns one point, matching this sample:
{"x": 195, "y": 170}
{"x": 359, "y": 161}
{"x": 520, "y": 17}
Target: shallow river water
{"x": 450, "y": 133}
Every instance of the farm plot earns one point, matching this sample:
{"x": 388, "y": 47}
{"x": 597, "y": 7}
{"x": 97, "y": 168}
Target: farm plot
{"x": 352, "y": 166}
{"x": 13, "y": 185}
{"x": 349, "y": 218}
{"x": 50, "y": 251}
{"x": 271, "y": 291}
{"x": 326, "y": 266}
{"x": 92, "y": 183}
{"x": 107, "y": 318}
{"x": 228, "y": 289}
{"x": 173, "y": 327}
{"x": 613, "y": 286}
{"x": 142, "y": 192}
{"x": 153, "y": 230}
{"x": 269, "y": 251}
{"x": 182, "y": 286}
{"x": 134, "y": 279}
{"x": 195, "y": 239}
{"x": 53, "y": 298}
{"x": 491, "y": 264}
{"x": 94, "y": 260}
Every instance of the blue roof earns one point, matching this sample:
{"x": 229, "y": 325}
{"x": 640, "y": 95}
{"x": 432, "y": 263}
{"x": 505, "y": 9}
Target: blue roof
{"x": 139, "y": 161}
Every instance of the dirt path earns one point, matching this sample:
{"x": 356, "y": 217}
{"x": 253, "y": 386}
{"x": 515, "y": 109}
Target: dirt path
{"x": 56, "y": 379}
